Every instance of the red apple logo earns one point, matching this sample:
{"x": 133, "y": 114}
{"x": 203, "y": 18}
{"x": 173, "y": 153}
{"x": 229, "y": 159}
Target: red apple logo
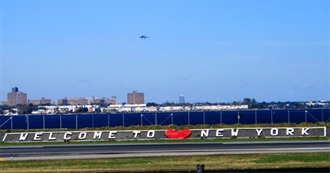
{"x": 177, "y": 134}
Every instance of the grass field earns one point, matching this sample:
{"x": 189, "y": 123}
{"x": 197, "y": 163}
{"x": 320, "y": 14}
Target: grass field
{"x": 177, "y": 163}
{"x": 174, "y": 163}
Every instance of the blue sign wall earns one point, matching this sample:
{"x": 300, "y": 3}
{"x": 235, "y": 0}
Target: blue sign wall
{"x": 77, "y": 121}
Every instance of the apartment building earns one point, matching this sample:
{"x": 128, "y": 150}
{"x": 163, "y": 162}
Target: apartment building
{"x": 42, "y": 101}
{"x": 15, "y": 97}
{"x": 135, "y": 98}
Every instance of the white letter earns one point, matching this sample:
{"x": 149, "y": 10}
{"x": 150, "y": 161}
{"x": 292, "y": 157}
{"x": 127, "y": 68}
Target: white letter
{"x": 219, "y": 132}
{"x": 97, "y": 135}
{"x": 205, "y": 133}
{"x": 37, "y": 136}
{"x": 136, "y": 133}
{"x": 234, "y": 132}
{"x": 304, "y": 131}
{"x": 289, "y": 131}
{"x": 259, "y": 131}
{"x": 23, "y": 136}
{"x": 67, "y": 136}
{"x": 4, "y": 138}
{"x": 82, "y": 135}
{"x": 274, "y": 131}
{"x": 51, "y": 137}
{"x": 151, "y": 134}
{"x": 112, "y": 134}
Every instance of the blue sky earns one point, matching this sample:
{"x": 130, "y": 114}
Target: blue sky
{"x": 215, "y": 51}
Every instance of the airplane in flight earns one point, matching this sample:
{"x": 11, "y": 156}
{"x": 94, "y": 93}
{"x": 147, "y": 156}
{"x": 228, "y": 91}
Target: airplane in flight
{"x": 144, "y": 36}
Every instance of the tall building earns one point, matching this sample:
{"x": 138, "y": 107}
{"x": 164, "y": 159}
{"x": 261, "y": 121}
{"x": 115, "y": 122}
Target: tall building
{"x": 135, "y": 98}
{"x": 15, "y": 97}
{"x": 181, "y": 99}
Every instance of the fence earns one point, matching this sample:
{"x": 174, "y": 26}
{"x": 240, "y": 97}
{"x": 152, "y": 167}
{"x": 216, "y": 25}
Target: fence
{"x": 77, "y": 121}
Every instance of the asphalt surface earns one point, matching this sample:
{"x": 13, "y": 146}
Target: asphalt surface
{"x": 169, "y": 149}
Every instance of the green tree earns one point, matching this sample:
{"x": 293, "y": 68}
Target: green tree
{"x": 82, "y": 110}
{"x": 152, "y": 104}
{"x": 247, "y": 101}
{"x": 26, "y": 109}
{"x": 4, "y": 107}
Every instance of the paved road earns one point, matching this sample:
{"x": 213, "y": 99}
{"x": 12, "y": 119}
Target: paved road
{"x": 168, "y": 149}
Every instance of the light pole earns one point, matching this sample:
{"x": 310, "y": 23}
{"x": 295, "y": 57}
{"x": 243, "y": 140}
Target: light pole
{"x": 108, "y": 120}
{"x": 93, "y": 120}
{"x": 306, "y": 116}
{"x": 255, "y": 117}
{"x": 27, "y": 122}
{"x": 220, "y": 117}
{"x": 43, "y": 121}
{"x": 271, "y": 116}
{"x": 123, "y": 120}
{"x": 61, "y": 121}
{"x": 204, "y": 117}
{"x": 141, "y": 120}
{"x": 172, "y": 118}
{"x": 238, "y": 116}
{"x": 76, "y": 121}
{"x": 11, "y": 123}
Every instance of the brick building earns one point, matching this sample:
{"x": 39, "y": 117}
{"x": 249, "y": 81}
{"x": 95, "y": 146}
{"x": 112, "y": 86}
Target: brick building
{"x": 135, "y": 98}
{"x": 15, "y": 97}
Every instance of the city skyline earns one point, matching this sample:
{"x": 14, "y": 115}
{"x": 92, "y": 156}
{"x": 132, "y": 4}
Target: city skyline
{"x": 208, "y": 51}
{"x": 16, "y": 97}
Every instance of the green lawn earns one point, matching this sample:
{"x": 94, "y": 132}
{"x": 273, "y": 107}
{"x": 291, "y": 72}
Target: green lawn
{"x": 176, "y": 163}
